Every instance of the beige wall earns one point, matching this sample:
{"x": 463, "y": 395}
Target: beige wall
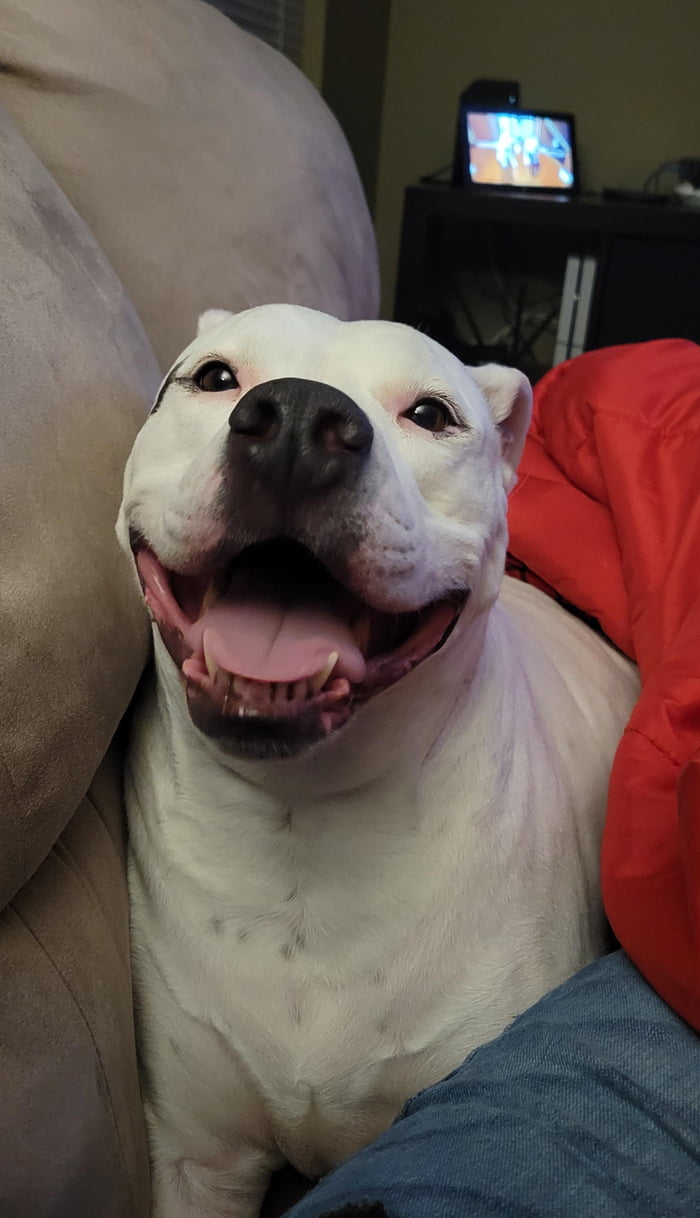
{"x": 628, "y": 69}
{"x": 312, "y": 47}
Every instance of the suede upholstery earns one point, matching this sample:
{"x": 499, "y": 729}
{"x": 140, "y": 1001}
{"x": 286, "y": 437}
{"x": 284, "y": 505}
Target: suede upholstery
{"x": 154, "y": 161}
{"x": 200, "y": 158}
{"x": 77, "y": 378}
{"x": 72, "y": 1139}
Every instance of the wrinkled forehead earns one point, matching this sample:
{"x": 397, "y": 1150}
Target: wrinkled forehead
{"x": 383, "y": 358}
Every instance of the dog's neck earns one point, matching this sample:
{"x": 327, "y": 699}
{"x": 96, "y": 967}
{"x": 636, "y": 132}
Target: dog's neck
{"x": 358, "y": 828}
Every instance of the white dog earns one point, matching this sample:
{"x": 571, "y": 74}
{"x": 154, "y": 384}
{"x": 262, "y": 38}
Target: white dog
{"x": 368, "y": 776}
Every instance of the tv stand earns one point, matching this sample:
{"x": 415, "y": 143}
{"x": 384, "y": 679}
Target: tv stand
{"x": 642, "y": 261}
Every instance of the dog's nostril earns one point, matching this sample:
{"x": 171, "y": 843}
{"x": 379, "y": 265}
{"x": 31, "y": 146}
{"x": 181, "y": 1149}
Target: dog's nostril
{"x": 338, "y": 434}
{"x": 258, "y": 419}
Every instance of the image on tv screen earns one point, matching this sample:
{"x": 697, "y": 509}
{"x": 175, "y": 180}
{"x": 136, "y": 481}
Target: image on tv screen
{"x": 520, "y": 150}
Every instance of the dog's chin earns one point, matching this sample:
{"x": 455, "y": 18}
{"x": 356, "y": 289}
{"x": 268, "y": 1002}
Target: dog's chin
{"x": 259, "y": 739}
{"x": 244, "y": 733}
{"x": 276, "y": 654}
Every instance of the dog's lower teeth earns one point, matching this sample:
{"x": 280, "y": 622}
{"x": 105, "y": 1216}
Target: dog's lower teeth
{"x": 318, "y": 680}
{"x": 273, "y": 692}
{"x": 212, "y": 666}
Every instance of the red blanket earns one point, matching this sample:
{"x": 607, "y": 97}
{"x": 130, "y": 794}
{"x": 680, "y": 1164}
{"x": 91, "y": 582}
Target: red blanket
{"x": 607, "y": 513}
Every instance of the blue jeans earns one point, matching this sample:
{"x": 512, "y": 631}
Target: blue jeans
{"x": 587, "y": 1106}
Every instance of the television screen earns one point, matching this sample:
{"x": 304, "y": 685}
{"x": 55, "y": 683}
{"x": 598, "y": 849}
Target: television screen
{"x": 514, "y": 149}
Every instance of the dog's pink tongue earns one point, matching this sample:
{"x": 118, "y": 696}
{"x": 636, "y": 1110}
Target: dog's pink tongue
{"x": 266, "y": 629}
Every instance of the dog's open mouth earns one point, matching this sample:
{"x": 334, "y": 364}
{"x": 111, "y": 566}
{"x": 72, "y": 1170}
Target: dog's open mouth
{"x": 272, "y": 636}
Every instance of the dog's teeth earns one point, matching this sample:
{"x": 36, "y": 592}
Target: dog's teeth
{"x": 295, "y": 691}
{"x": 239, "y": 686}
{"x": 212, "y": 666}
{"x": 248, "y": 712}
{"x": 360, "y": 630}
{"x": 318, "y": 680}
{"x": 211, "y": 596}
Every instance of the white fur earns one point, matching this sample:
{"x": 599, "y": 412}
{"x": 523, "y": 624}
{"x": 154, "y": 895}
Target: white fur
{"x": 317, "y": 939}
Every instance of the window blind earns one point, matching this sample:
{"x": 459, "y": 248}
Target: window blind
{"x": 278, "y": 22}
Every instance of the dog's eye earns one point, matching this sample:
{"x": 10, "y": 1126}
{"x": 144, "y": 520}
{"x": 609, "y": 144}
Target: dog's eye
{"x": 429, "y": 413}
{"x": 215, "y": 377}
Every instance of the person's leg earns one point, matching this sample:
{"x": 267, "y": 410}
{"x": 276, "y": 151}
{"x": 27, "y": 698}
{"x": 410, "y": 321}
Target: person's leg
{"x": 587, "y": 1106}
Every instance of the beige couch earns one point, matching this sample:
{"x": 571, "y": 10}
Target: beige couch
{"x": 155, "y": 161}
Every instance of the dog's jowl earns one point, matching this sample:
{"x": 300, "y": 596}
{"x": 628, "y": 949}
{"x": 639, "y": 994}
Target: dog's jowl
{"x": 368, "y": 774}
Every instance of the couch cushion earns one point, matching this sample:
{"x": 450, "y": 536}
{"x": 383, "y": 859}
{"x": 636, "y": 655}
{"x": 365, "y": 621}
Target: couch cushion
{"x": 72, "y": 1137}
{"x": 207, "y": 166}
{"x": 77, "y": 376}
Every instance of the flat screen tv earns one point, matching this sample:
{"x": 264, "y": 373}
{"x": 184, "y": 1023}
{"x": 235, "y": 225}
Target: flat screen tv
{"x": 519, "y": 150}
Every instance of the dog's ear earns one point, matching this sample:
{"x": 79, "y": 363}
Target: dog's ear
{"x": 210, "y": 319}
{"x": 509, "y": 398}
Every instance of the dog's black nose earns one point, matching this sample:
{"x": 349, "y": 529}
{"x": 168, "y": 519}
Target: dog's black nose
{"x": 300, "y": 436}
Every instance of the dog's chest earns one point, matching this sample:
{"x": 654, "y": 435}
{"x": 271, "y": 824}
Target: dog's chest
{"x": 271, "y": 968}
{"x": 316, "y": 1060}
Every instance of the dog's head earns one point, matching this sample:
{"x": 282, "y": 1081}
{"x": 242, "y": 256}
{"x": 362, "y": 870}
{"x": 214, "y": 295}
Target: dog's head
{"x": 312, "y": 505}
